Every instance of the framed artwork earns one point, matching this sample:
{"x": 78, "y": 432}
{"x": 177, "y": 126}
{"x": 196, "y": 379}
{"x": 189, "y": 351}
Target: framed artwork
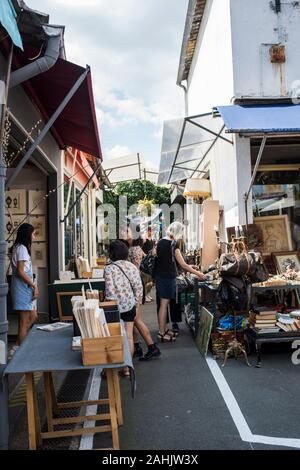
{"x": 39, "y": 223}
{"x": 254, "y": 234}
{"x": 285, "y": 260}
{"x": 276, "y": 234}
{"x": 204, "y": 331}
{"x": 12, "y": 223}
{"x": 15, "y": 201}
{"x": 36, "y": 204}
{"x": 39, "y": 255}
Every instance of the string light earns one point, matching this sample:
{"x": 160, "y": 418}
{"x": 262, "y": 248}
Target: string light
{"x": 12, "y": 157}
{"x": 46, "y": 196}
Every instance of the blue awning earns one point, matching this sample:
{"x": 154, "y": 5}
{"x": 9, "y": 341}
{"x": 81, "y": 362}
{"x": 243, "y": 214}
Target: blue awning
{"x": 263, "y": 119}
{"x": 8, "y": 20}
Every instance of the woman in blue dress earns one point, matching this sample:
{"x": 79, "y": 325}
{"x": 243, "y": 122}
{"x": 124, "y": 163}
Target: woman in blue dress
{"x": 24, "y": 291}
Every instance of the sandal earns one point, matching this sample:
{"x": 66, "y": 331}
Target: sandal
{"x": 172, "y": 333}
{"x": 166, "y": 338}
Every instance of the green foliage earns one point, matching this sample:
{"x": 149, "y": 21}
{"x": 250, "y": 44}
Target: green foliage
{"x": 137, "y": 191}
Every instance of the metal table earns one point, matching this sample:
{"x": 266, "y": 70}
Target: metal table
{"x": 46, "y": 352}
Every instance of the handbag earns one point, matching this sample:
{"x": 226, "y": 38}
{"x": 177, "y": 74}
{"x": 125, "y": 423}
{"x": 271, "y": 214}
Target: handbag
{"x": 148, "y": 264}
{"x": 260, "y": 272}
{"x": 238, "y": 263}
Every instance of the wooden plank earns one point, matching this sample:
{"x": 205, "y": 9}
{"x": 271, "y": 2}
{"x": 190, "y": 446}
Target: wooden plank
{"x": 37, "y": 418}
{"x": 118, "y": 396}
{"x": 53, "y": 394}
{"x": 31, "y": 411}
{"x": 81, "y": 419}
{"x": 112, "y": 409}
{"x": 48, "y": 399}
{"x": 76, "y": 432}
{"x": 79, "y": 404}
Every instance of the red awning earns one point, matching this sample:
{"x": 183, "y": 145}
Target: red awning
{"x": 77, "y": 125}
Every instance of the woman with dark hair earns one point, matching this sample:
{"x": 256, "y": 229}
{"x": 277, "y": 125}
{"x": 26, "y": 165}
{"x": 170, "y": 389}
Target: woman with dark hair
{"x": 136, "y": 256}
{"x": 24, "y": 292}
{"x": 123, "y": 284}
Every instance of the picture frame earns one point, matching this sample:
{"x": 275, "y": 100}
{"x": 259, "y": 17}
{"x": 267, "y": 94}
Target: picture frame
{"x": 39, "y": 224}
{"x": 206, "y": 320}
{"x": 36, "y": 197}
{"x": 12, "y": 222}
{"x": 276, "y": 234}
{"x": 39, "y": 255}
{"x": 254, "y": 236}
{"x": 285, "y": 259}
{"x": 16, "y": 201}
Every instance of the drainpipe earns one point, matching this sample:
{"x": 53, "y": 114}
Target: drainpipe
{"x": 39, "y": 66}
{"x": 4, "y": 428}
{"x": 186, "y": 100}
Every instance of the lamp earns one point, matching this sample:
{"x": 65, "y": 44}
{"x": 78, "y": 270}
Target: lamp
{"x": 197, "y": 187}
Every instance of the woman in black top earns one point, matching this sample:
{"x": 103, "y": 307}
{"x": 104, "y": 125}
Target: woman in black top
{"x": 168, "y": 257}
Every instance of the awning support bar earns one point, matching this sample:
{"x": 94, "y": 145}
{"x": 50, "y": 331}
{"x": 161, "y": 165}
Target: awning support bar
{"x": 210, "y": 148}
{"x": 258, "y": 160}
{"x": 47, "y": 127}
{"x": 210, "y": 131}
{"x": 178, "y": 149}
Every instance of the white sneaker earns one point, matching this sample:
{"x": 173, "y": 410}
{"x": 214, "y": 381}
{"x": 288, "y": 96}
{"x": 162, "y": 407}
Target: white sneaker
{"x": 12, "y": 352}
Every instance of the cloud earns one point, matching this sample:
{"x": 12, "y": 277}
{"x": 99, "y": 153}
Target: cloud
{"x": 117, "y": 151}
{"x": 133, "y": 48}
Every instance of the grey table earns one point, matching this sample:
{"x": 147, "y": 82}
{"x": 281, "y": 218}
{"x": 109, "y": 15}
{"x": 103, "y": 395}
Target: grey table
{"x": 47, "y": 352}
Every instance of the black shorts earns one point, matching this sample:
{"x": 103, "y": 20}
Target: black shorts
{"x": 128, "y": 317}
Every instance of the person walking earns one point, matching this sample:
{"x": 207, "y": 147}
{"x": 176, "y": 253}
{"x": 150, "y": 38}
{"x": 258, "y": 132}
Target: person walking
{"x": 136, "y": 256}
{"x": 168, "y": 258}
{"x": 24, "y": 291}
{"x": 123, "y": 284}
{"x": 147, "y": 247}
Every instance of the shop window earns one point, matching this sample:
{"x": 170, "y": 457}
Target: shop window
{"x": 278, "y": 193}
{"x": 76, "y": 227}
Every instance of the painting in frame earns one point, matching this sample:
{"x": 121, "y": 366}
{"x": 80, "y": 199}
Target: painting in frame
{"x": 36, "y": 202}
{"x": 15, "y": 201}
{"x": 276, "y": 234}
{"x": 39, "y": 255}
{"x": 286, "y": 260}
{"x": 204, "y": 330}
{"x": 39, "y": 224}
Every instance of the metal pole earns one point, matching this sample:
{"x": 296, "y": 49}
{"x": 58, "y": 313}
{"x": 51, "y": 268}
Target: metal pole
{"x": 4, "y": 425}
{"x": 259, "y": 157}
{"x": 47, "y": 127}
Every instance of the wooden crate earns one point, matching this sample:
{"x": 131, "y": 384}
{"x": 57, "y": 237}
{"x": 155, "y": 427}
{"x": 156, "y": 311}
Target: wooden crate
{"x": 100, "y": 351}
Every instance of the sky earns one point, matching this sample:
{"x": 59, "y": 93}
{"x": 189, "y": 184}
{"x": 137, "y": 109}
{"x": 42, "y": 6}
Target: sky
{"x": 133, "y": 48}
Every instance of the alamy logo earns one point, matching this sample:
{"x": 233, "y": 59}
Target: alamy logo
{"x": 296, "y": 354}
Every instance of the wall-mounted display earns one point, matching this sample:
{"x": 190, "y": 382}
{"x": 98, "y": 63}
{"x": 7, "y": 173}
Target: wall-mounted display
{"x": 39, "y": 223}
{"x": 36, "y": 203}
{"x": 39, "y": 255}
{"x": 15, "y": 201}
{"x": 12, "y": 222}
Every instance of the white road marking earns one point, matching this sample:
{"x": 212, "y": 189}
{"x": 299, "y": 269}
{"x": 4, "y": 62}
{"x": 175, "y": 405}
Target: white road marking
{"x": 86, "y": 442}
{"x": 237, "y": 415}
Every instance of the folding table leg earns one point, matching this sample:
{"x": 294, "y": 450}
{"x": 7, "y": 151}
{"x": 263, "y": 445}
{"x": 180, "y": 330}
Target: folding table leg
{"x": 31, "y": 411}
{"x": 48, "y": 399}
{"x": 118, "y": 396}
{"x": 112, "y": 409}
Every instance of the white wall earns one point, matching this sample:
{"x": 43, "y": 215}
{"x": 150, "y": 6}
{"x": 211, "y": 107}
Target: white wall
{"x": 254, "y": 23}
{"x": 211, "y": 77}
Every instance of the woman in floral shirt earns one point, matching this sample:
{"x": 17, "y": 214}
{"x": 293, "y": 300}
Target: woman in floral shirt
{"x": 123, "y": 284}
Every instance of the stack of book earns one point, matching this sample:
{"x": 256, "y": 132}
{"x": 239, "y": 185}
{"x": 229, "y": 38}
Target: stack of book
{"x": 264, "y": 321}
{"x": 90, "y": 319}
{"x": 287, "y": 323}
